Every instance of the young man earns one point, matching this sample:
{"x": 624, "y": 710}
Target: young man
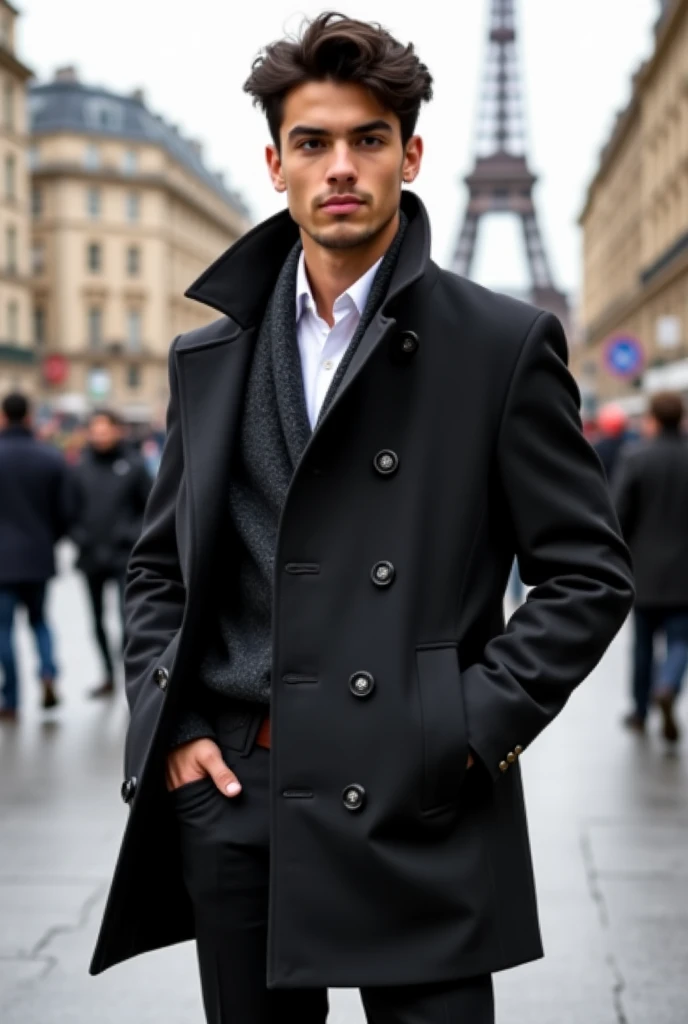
{"x": 114, "y": 485}
{"x": 37, "y": 506}
{"x": 318, "y": 665}
{"x": 651, "y": 492}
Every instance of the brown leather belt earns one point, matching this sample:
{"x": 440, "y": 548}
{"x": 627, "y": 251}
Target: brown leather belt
{"x": 263, "y": 737}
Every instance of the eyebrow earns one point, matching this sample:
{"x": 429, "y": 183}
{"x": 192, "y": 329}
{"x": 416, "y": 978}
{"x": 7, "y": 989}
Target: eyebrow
{"x": 361, "y": 129}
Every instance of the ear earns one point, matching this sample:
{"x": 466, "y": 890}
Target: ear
{"x": 413, "y": 156}
{"x": 272, "y": 158}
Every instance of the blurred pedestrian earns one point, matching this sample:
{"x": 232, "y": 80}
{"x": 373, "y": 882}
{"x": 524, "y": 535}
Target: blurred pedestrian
{"x": 37, "y": 507}
{"x": 612, "y": 422}
{"x": 114, "y": 485}
{"x": 651, "y": 493}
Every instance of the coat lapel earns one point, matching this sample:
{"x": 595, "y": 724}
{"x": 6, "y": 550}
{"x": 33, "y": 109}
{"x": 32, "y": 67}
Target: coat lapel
{"x": 212, "y": 380}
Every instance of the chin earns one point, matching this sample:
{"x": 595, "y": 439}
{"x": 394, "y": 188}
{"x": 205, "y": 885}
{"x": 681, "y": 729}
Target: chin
{"x": 343, "y": 236}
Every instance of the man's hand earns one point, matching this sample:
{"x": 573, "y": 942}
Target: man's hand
{"x": 195, "y": 760}
{"x": 470, "y": 762}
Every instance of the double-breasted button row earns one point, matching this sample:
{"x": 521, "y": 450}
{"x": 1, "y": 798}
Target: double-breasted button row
{"x": 161, "y": 678}
{"x": 511, "y": 758}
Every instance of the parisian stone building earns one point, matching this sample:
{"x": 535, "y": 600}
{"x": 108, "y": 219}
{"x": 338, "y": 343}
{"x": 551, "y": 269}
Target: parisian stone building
{"x": 17, "y": 362}
{"x": 125, "y": 215}
{"x": 635, "y": 230}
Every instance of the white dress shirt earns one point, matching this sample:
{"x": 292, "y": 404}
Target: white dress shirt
{"x": 322, "y": 347}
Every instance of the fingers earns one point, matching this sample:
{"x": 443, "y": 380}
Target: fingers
{"x": 196, "y": 760}
{"x": 225, "y": 779}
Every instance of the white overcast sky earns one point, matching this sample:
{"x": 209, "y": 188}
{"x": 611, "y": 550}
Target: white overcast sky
{"x": 192, "y": 58}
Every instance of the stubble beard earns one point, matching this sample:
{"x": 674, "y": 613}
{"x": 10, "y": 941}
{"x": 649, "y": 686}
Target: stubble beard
{"x": 352, "y": 241}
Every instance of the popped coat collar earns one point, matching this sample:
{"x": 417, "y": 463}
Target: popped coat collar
{"x": 240, "y": 282}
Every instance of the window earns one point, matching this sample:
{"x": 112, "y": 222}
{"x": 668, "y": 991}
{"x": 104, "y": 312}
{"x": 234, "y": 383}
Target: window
{"x": 11, "y": 250}
{"x": 12, "y": 321}
{"x": 10, "y": 177}
{"x": 95, "y": 327}
{"x": 34, "y": 157}
{"x": 134, "y": 330}
{"x": 133, "y": 260}
{"x": 92, "y": 157}
{"x": 95, "y": 257}
{"x": 8, "y": 105}
{"x": 37, "y": 257}
{"x": 133, "y": 206}
{"x": 130, "y": 161}
{"x": 36, "y": 201}
{"x": 93, "y": 202}
{"x": 133, "y": 377}
{"x": 39, "y": 325}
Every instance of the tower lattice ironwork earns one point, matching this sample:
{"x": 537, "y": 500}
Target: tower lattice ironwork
{"x": 501, "y": 180}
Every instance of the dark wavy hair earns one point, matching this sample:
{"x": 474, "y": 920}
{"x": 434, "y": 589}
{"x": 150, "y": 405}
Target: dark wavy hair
{"x": 340, "y": 49}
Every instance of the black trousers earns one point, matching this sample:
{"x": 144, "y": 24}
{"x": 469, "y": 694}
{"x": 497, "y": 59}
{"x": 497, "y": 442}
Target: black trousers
{"x": 225, "y": 854}
{"x": 95, "y": 581}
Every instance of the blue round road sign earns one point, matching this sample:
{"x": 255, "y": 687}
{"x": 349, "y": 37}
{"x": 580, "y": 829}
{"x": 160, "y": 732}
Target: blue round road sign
{"x": 624, "y": 356}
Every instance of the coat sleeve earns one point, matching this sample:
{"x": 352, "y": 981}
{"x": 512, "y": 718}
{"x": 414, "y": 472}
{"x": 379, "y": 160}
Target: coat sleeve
{"x": 155, "y": 593}
{"x": 569, "y": 550}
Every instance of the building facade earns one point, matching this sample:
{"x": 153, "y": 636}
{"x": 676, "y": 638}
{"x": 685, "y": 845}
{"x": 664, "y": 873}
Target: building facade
{"x": 17, "y": 362}
{"x": 125, "y": 215}
{"x": 635, "y": 233}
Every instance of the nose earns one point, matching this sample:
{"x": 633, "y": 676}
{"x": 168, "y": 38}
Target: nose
{"x": 342, "y": 168}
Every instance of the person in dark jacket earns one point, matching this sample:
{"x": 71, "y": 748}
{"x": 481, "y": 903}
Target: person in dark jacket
{"x": 651, "y": 494}
{"x": 317, "y": 664}
{"x": 37, "y": 507}
{"x": 114, "y": 485}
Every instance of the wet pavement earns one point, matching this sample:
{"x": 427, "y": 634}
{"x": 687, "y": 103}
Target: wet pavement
{"x": 609, "y": 825}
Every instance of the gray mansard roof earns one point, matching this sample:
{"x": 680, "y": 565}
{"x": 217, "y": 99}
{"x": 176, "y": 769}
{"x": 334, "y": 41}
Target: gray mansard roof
{"x": 72, "y": 106}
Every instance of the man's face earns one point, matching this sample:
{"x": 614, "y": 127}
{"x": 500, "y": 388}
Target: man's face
{"x": 103, "y": 434}
{"x": 341, "y": 163}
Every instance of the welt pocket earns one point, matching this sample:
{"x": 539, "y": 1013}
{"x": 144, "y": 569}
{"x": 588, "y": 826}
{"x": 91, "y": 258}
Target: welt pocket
{"x": 443, "y": 724}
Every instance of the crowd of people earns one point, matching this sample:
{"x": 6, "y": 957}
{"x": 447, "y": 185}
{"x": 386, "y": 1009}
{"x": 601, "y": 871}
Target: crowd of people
{"x": 97, "y": 501}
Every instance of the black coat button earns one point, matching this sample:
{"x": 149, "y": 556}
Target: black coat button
{"x": 408, "y": 344}
{"x": 354, "y": 797}
{"x": 128, "y": 789}
{"x": 382, "y": 574}
{"x": 386, "y": 462}
{"x": 161, "y": 678}
{"x": 361, "y": 684}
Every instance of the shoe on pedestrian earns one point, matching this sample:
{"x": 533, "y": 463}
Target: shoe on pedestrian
{"x": 9, "y": 715}
{"x": 106, "y": 689}
{"x": 665, "y": 700}
{"x": 634, "y": 722}
{"x": 50, "y": 698}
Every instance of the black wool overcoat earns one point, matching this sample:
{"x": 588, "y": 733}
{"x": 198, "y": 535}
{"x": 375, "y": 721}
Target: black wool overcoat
{"x": 394, "y": 566}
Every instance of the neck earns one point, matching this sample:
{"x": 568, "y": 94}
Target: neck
{"x": 332, "y": 271}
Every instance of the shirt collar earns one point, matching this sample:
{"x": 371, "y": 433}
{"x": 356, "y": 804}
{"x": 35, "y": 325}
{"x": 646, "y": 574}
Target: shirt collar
{"x": 358, "y": 292}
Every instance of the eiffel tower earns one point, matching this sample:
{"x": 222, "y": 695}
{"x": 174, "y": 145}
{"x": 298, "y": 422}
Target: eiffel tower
{"x": 501, "y": 180}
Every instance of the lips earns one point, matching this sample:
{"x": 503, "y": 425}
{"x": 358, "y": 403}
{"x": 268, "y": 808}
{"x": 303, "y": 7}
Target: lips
{"x": 342, "y": 204}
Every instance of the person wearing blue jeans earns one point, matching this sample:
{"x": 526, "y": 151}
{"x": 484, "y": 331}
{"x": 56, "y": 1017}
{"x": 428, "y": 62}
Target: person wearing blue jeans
{"x": 39, "y": 504}
{"x": 32, "y": 597}
{"x": 660, "y": 683}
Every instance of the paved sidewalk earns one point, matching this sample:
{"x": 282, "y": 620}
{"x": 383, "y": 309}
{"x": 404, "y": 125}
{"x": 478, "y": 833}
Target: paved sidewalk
{"x": 609, "y": 826}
